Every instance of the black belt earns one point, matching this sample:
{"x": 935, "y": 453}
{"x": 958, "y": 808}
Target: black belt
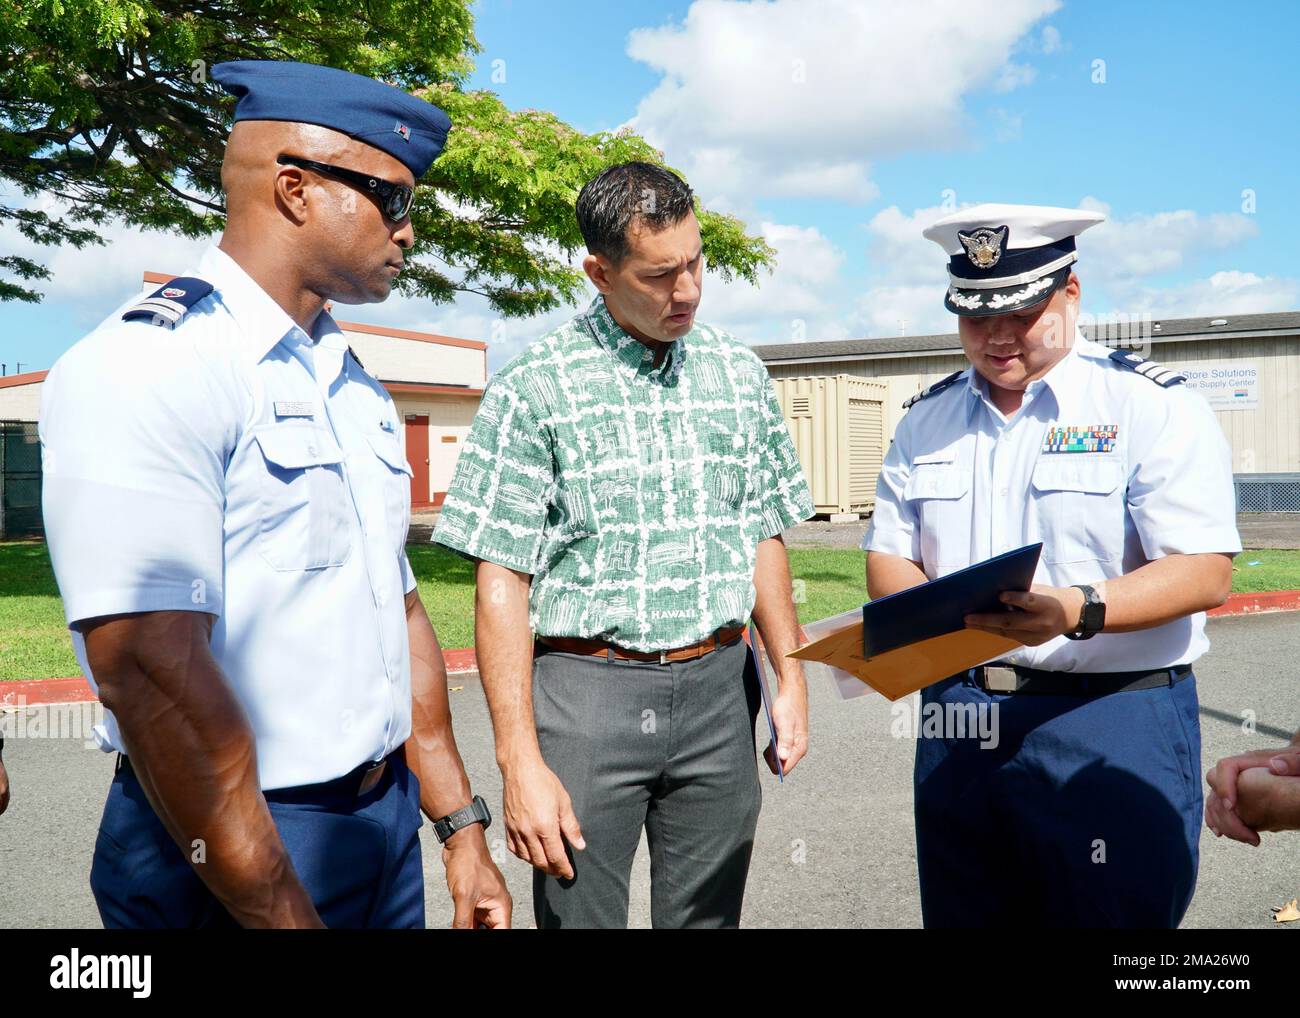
{"x": 1004, "y": 678}
{"x": 357, "y": 782}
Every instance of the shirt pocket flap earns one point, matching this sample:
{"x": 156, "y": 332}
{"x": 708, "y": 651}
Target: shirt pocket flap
{"x": 1066, "y": 473}
{"x": 294, "y": 448}
{"x": 937, "y": 479}
{"x": 389, "y": 449}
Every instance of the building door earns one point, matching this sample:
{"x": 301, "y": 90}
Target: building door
{"x": 417, "y": 452}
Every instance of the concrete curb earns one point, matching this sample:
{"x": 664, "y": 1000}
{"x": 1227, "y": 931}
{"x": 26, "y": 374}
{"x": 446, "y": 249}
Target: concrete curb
{"x": 48, "y": 692}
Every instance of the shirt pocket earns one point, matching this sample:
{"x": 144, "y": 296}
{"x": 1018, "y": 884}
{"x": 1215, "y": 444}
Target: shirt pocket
{"x": 396, "y": 483}
{"x": 1079, "y": 503}
{"x": 938, "y": 488}
{"x": 304, "y": 500}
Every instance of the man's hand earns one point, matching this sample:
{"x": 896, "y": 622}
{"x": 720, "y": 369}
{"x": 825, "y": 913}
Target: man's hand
{"x": 539, "y": 818}
{"x": 1268, "y": 802}
{"x": 790, "y": 716}
{"x": 1253, "y": 792}
{"x": 1042, "y": 613}
{"x": 4, "y": 788}
{"x": 478, "y": 890}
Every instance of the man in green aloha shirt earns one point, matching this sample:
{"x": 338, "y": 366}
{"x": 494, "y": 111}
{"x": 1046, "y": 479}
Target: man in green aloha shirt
{"x": 623, "y": 490}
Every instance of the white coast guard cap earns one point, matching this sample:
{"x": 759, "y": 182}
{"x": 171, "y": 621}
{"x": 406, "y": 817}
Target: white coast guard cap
{"x": 1006, "y": 258}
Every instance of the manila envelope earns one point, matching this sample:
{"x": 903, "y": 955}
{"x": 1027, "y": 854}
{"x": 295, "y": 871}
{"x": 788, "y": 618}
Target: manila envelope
{"x": 904, "y": 670}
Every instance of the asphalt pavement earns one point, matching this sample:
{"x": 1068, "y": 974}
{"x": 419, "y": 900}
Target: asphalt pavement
{"x": 834, "y": 846}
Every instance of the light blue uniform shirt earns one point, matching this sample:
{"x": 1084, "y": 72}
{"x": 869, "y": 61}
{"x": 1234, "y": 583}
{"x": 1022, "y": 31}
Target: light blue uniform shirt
{"x": 239, "y": 467}
{"x": 962, "y": 483}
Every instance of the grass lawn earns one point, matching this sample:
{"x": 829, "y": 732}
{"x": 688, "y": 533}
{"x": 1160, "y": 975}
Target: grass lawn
{"x": 34, "y": 641}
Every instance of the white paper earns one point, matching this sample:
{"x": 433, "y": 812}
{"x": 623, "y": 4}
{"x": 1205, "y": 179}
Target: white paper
{"x": 847, "y": 686}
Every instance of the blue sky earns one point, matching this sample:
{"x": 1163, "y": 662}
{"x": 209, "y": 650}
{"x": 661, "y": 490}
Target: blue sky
{"x": 839, "y": 130}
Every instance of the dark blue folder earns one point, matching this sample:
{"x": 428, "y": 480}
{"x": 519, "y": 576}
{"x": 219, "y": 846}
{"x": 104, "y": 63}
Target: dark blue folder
{"x": 941, "y": 606}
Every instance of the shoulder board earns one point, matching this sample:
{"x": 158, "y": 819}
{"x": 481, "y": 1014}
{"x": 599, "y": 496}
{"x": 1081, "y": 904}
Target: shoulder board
{"x": 356, "y": 358}
{"x": 938, "y": 386}
{"x": 1146, "y": 368}
{"x": 168, "y": 304}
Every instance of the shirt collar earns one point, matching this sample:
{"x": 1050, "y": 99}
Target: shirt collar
{"x": 631, "y": 353}
{"x": 264, "y": 323}
{"x": 1060, "y": 380}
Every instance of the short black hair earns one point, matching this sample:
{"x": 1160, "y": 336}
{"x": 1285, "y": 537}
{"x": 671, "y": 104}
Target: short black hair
{"x": 609, "y": 201}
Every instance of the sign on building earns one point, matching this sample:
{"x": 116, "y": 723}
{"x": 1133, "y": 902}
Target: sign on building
{"x": 1226, "y": 385}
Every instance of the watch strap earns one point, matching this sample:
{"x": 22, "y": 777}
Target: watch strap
{"x": 475, "y": 813}
{"x": 1092, "y": 616}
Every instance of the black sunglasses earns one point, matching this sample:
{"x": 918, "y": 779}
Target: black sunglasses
{"x": 395, "y": 200}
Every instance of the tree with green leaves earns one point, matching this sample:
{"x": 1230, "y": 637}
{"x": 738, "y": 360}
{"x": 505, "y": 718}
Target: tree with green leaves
{"x": 107, "y": 113}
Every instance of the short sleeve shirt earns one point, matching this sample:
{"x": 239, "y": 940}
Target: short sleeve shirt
{"x": 1106, "y": 468}
{"x": 634, "y": 495}
{"x": 235, "y": 465}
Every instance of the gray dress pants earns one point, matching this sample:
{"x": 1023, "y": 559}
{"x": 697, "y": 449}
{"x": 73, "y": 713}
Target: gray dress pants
{"x": 669, "y": 747}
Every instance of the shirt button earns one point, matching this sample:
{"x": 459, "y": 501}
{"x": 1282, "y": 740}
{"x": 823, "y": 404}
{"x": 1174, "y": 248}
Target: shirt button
{"x": 1006, "y": 492}
{"x": 311, "y": 450}
{"x": 647, "y": 356}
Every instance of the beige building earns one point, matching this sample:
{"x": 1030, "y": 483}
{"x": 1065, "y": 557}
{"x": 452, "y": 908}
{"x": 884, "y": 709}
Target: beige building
{"x": 436, "y": 382}
{"x": 1246, "y": 366}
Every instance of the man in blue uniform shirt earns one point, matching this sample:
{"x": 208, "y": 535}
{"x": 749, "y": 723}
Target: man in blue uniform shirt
{"x": 1086, "y": 809}
{"x": 226, "y": 501}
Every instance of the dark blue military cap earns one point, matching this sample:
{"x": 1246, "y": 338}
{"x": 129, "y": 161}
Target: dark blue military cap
{"x": 408, "y": 129}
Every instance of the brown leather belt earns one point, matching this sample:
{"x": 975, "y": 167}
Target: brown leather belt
{"x": 599, "y": 648}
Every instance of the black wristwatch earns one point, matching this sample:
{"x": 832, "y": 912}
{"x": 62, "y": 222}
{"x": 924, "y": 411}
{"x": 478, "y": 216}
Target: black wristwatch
{"x": 475, "y": 813}
{"x": 1093, "y": 616}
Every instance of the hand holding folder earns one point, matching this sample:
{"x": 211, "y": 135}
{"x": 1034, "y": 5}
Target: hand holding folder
{"x": 917, "y": 637}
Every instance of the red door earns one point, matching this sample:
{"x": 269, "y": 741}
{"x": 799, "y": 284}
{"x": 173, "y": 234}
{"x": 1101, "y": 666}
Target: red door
{"x": 417, "y": 452}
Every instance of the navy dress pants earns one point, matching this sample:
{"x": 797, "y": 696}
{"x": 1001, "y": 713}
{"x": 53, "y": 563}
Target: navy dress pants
{"x": 357, "y": 856}
{"x": 1086, "y": 813}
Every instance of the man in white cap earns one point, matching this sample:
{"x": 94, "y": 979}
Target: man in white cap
{"x": 1086, "y": 809}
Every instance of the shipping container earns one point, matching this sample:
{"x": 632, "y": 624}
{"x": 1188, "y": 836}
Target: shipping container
{"x": 838, "y": 426}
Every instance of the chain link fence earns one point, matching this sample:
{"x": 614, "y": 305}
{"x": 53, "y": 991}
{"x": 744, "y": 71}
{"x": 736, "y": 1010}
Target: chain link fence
{"x": 20, "y": 480}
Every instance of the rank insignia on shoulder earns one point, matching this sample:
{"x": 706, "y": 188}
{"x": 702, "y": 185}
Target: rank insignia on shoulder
{"x": 1148, "y": 369}
{"x": 168, "y": 304}
{"x": 356, "y": 358}
{"x": 938, "y": 386}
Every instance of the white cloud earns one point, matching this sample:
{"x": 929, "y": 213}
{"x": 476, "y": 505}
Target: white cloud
{"x": 902, "y": 310}
{"x": 796, "y": 97}
{"x": 1147, "y": 244}
{"x": 1013, "y": 76}
{"x": 1117, "y": 260}
{"x": 1007, "y": 126}
{"x": 95, "y": 279}
{"x": 469, "y": 316}
{"x": 1223, "y": 294}
{"x": 908, "y": 277}
{"x": 796, "y": 302}
{"x": 1050, "y": 40}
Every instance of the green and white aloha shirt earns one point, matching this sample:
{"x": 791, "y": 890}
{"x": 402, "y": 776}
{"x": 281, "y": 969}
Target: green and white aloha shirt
{"x": 634, "y": 495}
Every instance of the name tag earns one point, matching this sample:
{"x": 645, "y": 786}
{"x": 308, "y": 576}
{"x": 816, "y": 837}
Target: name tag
{"x": 1081, "y": 438}
{"x": 293, "y": 408}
